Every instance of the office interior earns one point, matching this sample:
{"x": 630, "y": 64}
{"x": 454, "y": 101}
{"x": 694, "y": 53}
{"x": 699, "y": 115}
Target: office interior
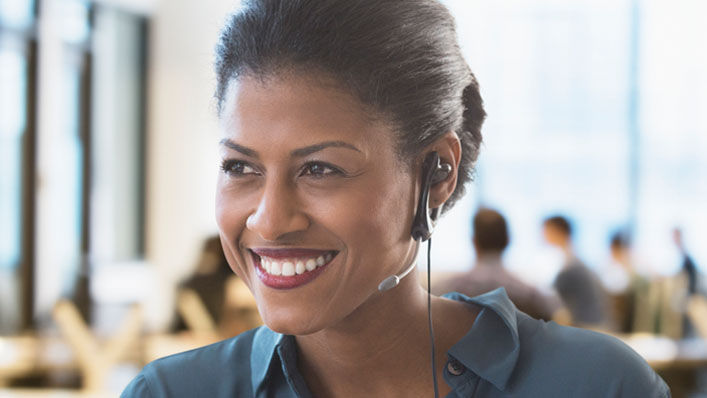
{"x": 108, "y": 162}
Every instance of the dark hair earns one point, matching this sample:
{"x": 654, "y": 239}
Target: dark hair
{"x": 620, "y": 240}
{"x": 398, "y": 57}
{"x": 490, "y": 230}
{"x": 561, "y": 223}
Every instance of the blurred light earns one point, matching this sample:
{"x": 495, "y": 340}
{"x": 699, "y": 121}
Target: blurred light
{"x": 122, "y": 283}
{"x": 653, "y": 348}
{"x": 12, "y": 124}
{"x": 9, "y": 353}
{"x": 16, "y": 13}
{"x": 74, "y": 19}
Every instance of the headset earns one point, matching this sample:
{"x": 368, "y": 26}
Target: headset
{"x": 433, "y": 172}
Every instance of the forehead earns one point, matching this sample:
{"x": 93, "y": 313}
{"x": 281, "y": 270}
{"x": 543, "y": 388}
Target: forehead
{"x": 296, "y": 107}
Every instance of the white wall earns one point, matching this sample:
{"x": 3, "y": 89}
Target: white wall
{"x": 182, "y": 142}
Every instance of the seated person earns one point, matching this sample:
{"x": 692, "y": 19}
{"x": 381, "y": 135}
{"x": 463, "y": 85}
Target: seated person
{"x": 490, "y": 239}
{"x": 208, "y": 282}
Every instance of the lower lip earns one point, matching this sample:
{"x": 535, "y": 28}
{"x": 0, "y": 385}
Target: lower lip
{"x": 287, "y": 282}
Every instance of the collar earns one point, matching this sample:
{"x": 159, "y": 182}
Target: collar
{"x": 264, "y": 348}
{"x": 491, "y": 348}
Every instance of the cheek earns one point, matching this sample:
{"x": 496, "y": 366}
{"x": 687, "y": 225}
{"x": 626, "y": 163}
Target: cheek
{"x": 391, "y": 208}
{"x": 231, "y": 218}
{"x": 375, "y": 218}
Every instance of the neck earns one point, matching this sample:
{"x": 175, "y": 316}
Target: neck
{"x": 383, "y": 342}
{"x": 568, "y": 250}
{"x": 488, "y": 258}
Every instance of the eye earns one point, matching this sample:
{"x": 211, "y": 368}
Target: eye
{"x": 319, "y": 170}
{"x": 238, "y": 168}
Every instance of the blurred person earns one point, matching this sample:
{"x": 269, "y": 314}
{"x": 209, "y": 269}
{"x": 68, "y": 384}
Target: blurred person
{"x": 687, "y": 267}
{"x": 490, "y": 239}
{"x": 348, "y": 127}
{"x": 209, "y": 281}
{"x": 634, "y": 311}
{"x": 579, "y": 288}
{"x": 616, "y": 274}
{"x": 687, "y": 280}
{"x": 219, "y": 291}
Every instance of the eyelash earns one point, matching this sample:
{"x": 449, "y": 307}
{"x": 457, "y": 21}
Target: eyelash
{"x": 234, "y": 168}
{"x": 333, "y": 171}
{"x": 229, "y": 167}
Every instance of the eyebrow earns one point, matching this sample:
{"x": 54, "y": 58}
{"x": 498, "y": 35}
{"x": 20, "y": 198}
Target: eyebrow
{"x": 238, "y": 148}
{"x": 300, "y": 152}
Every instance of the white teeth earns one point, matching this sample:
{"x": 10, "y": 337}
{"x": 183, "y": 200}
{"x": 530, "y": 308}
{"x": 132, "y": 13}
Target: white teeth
{"x": 294, "y": 266}
{"x": 288, "y": 269}
{"x": 299, "y": 268}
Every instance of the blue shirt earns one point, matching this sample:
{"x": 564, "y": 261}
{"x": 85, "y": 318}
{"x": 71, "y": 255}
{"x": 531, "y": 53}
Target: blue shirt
{"x": 505, "y": 354}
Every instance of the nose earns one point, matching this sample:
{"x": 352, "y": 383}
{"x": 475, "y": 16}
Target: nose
{"x": 277, "y": 214}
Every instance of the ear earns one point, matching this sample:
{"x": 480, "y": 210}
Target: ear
{"x": 450, "y": 151}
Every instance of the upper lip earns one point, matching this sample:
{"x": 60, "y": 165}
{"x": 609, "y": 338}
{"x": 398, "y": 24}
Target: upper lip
{"x": 282, "y": 253}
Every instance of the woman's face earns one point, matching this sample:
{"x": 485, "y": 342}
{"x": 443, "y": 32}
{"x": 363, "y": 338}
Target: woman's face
{"x": 313, "y": 206}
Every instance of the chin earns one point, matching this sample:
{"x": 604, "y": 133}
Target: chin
{"x": 291, "y": 322}
{"x": 293, "y": 328}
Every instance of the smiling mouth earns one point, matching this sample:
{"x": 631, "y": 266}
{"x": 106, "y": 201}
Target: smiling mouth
{"x": 289, "y": 268}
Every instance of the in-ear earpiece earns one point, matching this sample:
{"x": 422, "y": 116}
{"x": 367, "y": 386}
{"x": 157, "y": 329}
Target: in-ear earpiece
{"x": 433, "y": 172}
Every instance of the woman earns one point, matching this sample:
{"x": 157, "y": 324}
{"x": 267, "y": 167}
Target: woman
{"x": 329, "y": 110}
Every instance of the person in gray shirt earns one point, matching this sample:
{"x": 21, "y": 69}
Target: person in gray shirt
{"x": 578, "y": 287}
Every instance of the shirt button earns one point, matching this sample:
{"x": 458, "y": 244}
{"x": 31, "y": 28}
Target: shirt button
{"x": 455, "y": 368}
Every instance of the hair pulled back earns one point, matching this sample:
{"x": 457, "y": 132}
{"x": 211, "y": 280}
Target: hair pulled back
{"x": 398, "y": 57}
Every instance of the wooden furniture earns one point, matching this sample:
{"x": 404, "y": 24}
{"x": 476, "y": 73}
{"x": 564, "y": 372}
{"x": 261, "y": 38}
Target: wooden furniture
{"x": 96, "y": 359}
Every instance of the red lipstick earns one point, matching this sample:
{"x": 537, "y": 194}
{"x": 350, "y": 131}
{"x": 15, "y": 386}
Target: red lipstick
{"x": 289, "y": 282}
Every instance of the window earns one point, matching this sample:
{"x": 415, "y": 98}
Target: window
{"x": 594, "y": 111}
{"x": 17, "y": 51}
{"x": 67, "y": 121}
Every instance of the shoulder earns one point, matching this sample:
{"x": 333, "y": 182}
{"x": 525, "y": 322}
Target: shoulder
{"x": 524, "y": 356}
{"x": 584, "y": 362}
{"x": 212, "y": 370}
{"x": 217, "y": 354}
{"x": 573, "y": 274}
{"x": 449, "y": 282}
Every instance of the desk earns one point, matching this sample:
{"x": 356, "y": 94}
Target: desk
{"x": 34, "y": 354}
{"x": 676, "y": 361}
{"x": 664, "y": 353}
{"x": 52, "y": 393}
{"x": 27, "y": 354}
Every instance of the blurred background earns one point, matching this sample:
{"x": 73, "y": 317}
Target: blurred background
{"x": 597, "y": 110}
